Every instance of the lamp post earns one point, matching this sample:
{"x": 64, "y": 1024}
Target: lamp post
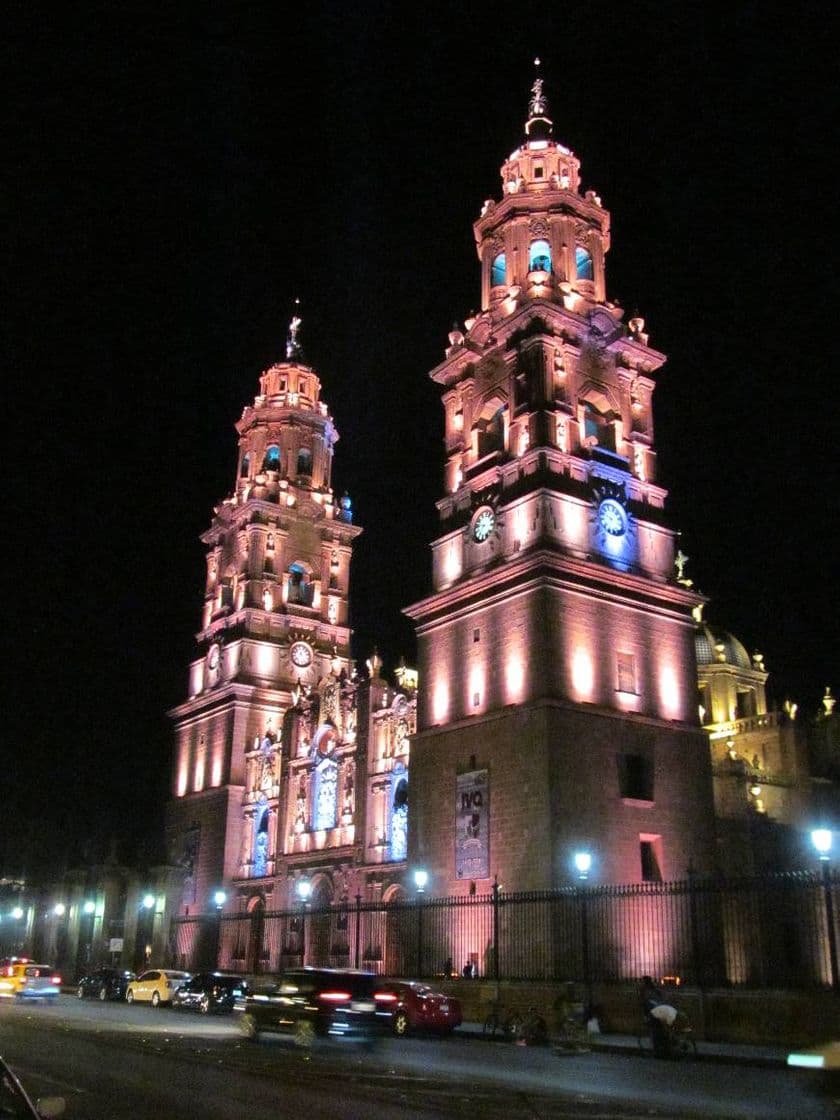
{"x": 304, "y": 891}
{"x": 219, "y": 900}
{"x": 583, "y": 865}
{"x": 421, "y": 878}
{"x": 147, "y": 905}
{"x": 822, "y": 839}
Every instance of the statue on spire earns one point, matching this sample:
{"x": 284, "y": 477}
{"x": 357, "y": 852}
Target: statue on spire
{"x": 537, "y": 106}
{"x": 293, "y": 347}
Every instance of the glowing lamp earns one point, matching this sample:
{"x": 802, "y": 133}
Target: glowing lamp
{"x": 421, "y": 878}
{"x": 822, "y": 839}
{"x": 219, "y": 899}
{"x": 148, "y": 901}
{"x": 89, "y": 907}
{"x": 304, "y": 889}
{"x": 583, "y": 863}
{"x": 17, "y": 913}
{"x": 59, "y": 909}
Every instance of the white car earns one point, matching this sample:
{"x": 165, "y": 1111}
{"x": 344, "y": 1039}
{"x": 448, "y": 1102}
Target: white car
{"x": 156, "y": 986}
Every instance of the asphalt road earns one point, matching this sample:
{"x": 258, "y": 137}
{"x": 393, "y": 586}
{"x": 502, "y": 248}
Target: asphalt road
{"x": 112, "y": 1062}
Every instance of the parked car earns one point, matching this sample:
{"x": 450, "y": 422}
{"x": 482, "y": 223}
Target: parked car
{"x": 156, "y": 986}
{"x": 210, "y": 991}
{"x": 408, "y": 1005}
{"x": 15, "y": 1101}
{"x": 104, "y": 984}
{"x": 310, "y": 1002}
{"x": 26, "y": 980}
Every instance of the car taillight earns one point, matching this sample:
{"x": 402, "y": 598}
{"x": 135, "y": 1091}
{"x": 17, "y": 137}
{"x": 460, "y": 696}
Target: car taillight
{"x": 385, "y": 997}
{"x": 335, "y": 997}
{"x": 55, "y": 980}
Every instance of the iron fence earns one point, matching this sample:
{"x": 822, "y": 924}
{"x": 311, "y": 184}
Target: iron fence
{"x": 775, "y": 931}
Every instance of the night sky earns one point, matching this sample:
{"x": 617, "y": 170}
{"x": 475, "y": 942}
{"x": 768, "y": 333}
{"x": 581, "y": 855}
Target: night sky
{"x": 178, "y": 175}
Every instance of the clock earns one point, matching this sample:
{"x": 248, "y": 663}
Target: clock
{"x": 612, "y": 518}
{"x": 301, "y": 654}
{"x": 484, "y": 524}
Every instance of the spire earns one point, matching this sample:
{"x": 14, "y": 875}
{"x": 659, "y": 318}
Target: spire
{"x": 294, "y": 351}
{"x": 539, "y": 125}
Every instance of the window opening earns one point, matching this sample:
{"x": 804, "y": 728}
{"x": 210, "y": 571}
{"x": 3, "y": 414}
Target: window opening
{"x": 245, "y": 466}
{"x": 260, "y": 863}
{"x": 304, "y": 461}
{"x": 326, "y": 794}
{"x": 650, "y": 852}
{"x": 498, "y": 271}
{"x": 583, "y": 264}
{"x": 635, "y": 777}
{"x": 539, "y": 256}
{"x": 626, "y": 665}
{"x": 272, "y": 458}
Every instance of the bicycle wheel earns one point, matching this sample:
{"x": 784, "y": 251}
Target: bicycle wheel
{"x": 685, "y": 1046}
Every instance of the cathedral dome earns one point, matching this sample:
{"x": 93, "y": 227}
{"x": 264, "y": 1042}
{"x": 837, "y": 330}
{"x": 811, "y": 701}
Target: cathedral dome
{"x": 716, "y": 646}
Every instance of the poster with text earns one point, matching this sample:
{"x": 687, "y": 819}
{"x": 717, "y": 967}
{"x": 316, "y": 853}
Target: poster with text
{"x": 472, "y": 825}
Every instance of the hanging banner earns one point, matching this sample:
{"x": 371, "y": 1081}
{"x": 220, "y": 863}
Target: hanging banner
{"x": 472, "y": 825}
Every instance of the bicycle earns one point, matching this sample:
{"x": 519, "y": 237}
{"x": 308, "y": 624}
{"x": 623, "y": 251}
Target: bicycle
{"x": 506, "y": 1024}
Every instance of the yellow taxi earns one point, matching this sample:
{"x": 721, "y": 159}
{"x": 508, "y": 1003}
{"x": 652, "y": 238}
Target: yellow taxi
{"x": 24, "y": 979}
{"x": 155, "y": 986}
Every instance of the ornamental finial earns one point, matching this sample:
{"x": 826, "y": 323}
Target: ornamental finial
{"x": 537, "y": 106}
{"x": 293, "y": 347}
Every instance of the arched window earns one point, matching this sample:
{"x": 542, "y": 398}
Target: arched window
{"x": 325, "y": 796}
{"x": 583, "y": 264}
{"x": 301, "y": 590}
{"x": 260, "y": 862}
{"x": 304, "y": 461}
{"x": 498, "y": 271}
{"x": 539, "y": 256}
{"x": 597, "y": 426}
{"x": 398, "y": 811}
{"x": 245, "y": 466}
{"x": 491, "y": 433}
{"x": 271, "y": 462}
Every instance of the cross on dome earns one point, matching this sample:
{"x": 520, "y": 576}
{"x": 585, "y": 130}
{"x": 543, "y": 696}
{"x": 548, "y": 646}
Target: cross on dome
{"x": 539, "y": 124}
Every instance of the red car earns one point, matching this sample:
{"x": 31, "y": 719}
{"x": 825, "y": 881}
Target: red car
{"x": 409, "y": 1005}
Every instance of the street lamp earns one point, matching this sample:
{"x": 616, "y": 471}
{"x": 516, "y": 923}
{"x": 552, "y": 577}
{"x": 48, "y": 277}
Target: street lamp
{"x": 583, "y": 864}
{"x": 89, "y": 907}
{"x": 219, "y": 900}
{"x": 822, "y": 839}
{"x": 148, "y": 901}
{"x": 17, "y": 913}
{"x": 59, "y": 909}
{"x": 421, "y": 879}
{"x": 304, "y": 891}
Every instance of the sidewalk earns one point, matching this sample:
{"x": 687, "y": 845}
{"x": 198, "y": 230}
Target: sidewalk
{"x": 727, "y": 1052}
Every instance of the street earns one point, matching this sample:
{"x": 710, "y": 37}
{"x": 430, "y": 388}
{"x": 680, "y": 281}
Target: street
{"x": 113, "y": 1061}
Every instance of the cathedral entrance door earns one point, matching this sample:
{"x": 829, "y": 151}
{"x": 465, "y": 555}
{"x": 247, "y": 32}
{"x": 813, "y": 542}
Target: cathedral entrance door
{"x": 254, "y": 957}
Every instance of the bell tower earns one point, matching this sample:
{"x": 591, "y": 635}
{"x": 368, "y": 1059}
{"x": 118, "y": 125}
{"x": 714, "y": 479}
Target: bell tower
{"x": 558, "y": 709}
{"x": 274, "y": 630}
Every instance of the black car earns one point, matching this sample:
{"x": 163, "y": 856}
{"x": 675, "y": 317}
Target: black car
{"x": 210, "y": 991}
{"x": 310, "y": 1002}
{"x": 104, "y": 984}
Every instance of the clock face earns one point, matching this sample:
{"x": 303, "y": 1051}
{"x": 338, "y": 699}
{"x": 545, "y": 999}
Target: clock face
{"x": 301, "y": 654}
{"x": 612, "y": 518}
{"x": 483, "y": 525}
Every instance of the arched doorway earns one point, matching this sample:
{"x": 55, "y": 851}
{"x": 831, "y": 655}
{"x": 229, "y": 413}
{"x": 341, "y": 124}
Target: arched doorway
{"x": 254, "y": 955}
{"x": 320, "y": 921}
{"x": 399, "y": 943}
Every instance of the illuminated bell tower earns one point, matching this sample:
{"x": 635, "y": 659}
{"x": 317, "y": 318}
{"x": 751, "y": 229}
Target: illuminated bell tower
{"x": 558, "y": 709}
{"x": 274, "y": 630}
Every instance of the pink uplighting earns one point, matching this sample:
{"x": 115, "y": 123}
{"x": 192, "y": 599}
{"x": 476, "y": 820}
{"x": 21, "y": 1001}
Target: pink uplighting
{"x": 583, "y": 674}
{"x": 669, "y": 693}
{"x": 440, "y": 701}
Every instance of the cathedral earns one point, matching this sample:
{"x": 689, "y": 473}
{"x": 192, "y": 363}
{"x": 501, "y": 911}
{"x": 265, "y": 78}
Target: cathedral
{"x": 553, "y": 720}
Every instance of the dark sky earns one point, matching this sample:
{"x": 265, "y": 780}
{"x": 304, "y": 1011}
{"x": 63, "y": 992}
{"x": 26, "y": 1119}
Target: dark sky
{"x": 177, "y": 175}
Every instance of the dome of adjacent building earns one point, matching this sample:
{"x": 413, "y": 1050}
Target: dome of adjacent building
{"x": 715, "y": 646}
